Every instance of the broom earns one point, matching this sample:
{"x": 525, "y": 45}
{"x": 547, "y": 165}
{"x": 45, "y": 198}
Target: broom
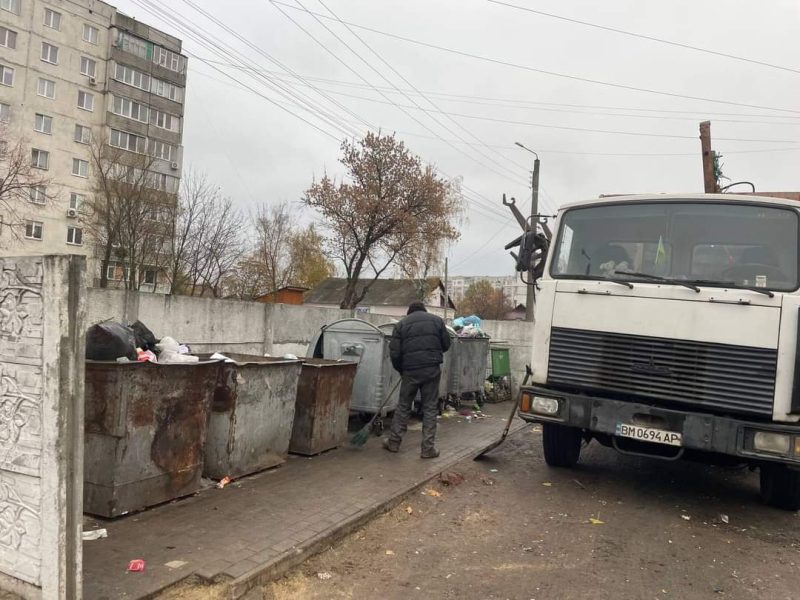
{"x": 362, "y": 435}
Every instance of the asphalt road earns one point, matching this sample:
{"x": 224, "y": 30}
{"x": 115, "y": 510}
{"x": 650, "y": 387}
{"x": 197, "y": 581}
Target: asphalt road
{"x": 614, "y": 527}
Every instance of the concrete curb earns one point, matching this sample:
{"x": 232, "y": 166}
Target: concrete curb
{"x": 280, "y": 565}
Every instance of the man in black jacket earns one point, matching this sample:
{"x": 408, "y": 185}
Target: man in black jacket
{"x": 418, "y": 343}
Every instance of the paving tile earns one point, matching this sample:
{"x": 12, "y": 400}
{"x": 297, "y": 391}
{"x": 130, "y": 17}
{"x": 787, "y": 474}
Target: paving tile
{"x": 243, "y": 527}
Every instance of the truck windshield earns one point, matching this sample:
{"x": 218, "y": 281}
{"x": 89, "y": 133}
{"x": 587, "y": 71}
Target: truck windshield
{"x": 731, "y": 245}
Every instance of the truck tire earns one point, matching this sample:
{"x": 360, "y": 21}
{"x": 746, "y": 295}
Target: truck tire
{"x": 562, "y": 445}
{"x": 780, "y": 487}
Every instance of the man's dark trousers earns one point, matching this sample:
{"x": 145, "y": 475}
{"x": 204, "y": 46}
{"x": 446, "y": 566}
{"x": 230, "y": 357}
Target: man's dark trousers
{"x": 426, "y": 381}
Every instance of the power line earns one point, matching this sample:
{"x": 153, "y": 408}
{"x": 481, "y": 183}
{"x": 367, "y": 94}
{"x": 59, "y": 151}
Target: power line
{"x": 499, "y": 101}
{"x": 544, "y": 71}
{"x": 482, "y": 246}
{"x": 553, "y": 150}
{"x": 645, "y": 37}
{"x": 357, "y": 74}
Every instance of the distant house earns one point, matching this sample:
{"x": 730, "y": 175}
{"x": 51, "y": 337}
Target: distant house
{"x": 385, "y": 296}
{"x": 286, "y": 295}
{"x": 518, "y": 314}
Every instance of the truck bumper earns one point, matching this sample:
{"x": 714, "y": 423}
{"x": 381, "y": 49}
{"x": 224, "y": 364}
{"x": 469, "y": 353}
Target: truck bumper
{"x": 700, "y": 431}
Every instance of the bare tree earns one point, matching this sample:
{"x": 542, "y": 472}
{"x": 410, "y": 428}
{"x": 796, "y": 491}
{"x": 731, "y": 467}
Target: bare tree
{"x": 393, "y": 206}
{"x": 19, "y": 181}
{"x": 208, "y": 239}
{"x": 273, "y": 230}
{"x": 131, "y": 214}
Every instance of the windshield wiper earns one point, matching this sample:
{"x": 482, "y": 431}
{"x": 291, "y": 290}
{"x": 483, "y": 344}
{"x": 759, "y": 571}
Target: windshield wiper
{"x": 627, "y": 284}
{"x": 733, "y": 284}
{"x": 687, "y": 284}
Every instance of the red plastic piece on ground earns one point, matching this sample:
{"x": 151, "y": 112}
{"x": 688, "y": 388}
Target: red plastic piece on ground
{"x": 136, "y": 566}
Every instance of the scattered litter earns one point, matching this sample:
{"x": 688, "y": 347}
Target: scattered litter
{"x": 223, "y": 482}
{"x": 94, "y": 535}
{"x": 580, "y": 485}
{"x": 449, "y": 575}
{"x": 724, "y": 518}
{"x": 432, "y": 492}
{"x": 176, "y": 564}
{"x": 324, "y": 575}
{"x": 547, "y": 484}
{"x": 527, "y": 549}
{"x": 219, "y": 356}
{"x": 409, "y": 510}
{"x": 136, "y": 566}
{"x": 487, "y": 481}
{"x": 451, "y": 478}
{"x": 289, "y": 356}
{"x": 594, "y": 521}
{"x": 390, "y": 553}
{"x": 686, "y": 517}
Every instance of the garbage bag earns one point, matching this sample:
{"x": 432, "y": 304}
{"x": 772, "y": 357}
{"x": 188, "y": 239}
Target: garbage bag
{"x": 144, "y": 337}
{"x": 110, "y": 341}
{"x": 167, "y": 344}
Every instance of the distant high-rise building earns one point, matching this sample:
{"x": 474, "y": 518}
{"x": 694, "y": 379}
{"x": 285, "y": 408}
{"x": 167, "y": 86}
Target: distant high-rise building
{"x": 76, "y": 75}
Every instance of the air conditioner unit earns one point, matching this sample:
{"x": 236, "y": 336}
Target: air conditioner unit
{"x": 92, "y": 81}
{"x": 72, "y": 213}
{"x": 174, "y": 166}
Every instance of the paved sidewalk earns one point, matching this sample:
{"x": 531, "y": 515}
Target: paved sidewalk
{"x": 258, "y": 527}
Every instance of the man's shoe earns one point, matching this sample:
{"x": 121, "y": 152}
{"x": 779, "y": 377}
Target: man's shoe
{"x": 388, "y": 445}
{"x": 433, "y": 453}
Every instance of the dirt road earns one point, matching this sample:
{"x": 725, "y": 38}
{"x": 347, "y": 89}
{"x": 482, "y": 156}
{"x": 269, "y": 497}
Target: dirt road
{"x": 615, "y": 527}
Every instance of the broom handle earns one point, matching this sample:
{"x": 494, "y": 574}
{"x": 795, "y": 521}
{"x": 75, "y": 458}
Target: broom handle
{"x": 386, "y": 399}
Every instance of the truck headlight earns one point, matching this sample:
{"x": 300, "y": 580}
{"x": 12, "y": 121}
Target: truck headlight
{"x": 774, "y": 443}
{"x": 545, "y": 406}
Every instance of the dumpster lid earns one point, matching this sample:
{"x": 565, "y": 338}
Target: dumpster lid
{"x": 351, "y": 326}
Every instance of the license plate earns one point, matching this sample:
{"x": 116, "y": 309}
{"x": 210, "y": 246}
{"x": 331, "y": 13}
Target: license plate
{"x": 648, "y": 434}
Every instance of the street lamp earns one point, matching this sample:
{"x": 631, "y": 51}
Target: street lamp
{"x": 534, "y": 220}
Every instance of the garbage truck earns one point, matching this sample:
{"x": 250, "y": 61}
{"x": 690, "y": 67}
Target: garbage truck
{"x": 667, "y": 326}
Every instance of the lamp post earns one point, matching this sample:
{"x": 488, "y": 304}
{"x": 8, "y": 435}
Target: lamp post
{"x": 529, "y": 296}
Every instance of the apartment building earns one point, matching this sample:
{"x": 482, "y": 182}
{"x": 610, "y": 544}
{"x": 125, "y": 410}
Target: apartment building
{"x": 74, "y": 75}
{"x": 513, "y": 287}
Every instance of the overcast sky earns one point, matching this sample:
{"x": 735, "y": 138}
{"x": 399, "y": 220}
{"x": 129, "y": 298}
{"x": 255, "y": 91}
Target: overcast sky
{"x": 475, "y": 109}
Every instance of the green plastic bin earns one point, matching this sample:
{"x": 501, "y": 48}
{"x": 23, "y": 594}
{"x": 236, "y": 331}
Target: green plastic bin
{"x": 501, "y": 362}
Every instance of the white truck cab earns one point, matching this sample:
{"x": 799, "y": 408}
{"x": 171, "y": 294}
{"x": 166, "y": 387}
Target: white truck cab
{"x": 667, "y": 325}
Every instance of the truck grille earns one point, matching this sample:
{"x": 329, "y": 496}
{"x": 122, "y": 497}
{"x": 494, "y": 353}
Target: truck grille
{"x": 717, "y": 377}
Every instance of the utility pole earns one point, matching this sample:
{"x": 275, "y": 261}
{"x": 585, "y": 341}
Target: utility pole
{"x": 710, "y": 185}
{"x": 534, "y": 225}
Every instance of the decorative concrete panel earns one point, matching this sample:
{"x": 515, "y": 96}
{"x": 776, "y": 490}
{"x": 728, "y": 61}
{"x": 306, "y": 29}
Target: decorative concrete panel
{"x": 41, "y": 382}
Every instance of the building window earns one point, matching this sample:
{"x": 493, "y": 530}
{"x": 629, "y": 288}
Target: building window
{"x": 134, "y": 45}
{"x": 128, "y": 141}
{"x": 129, "y": 108}
{"x": 148, "y": 276}
{"x": 117, "y": 271}
{"x": 132, "y": 77}
{"x": 49, "y": 53}
{"x": 43, "y": 124}
{"x": 6, "y": 75}
{"x": 166, "y": 90}
{"x": 165, "y": 120}
{"x": 10, "y": 6}
{"x": 83, "y": 134}
{"x": 52, "y": 19}
{"x": 168, "y": 59}
{"x": 74, "y": 236}
{"x": 76, "y": 201}
{"x": 40, "y": 159}
{"x": 38, "y": 194}
{"x": 33, "y": 230}
{"x": 162, "y": 150}
{"x": 85, "y": 100}
{"x": 5, "y": 112}
{"x": 8, "y": 38}
{"x": 80, "y": 168}
{"x": 88, "y": 67}
{"x": 46, "y": 88}
{"x": 91, "y": 34}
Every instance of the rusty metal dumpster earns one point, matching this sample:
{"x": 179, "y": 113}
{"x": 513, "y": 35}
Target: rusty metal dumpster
{"x": 323, "y": 405}
{"x": 251, "y": 415}
{"x": 145, "y": 426}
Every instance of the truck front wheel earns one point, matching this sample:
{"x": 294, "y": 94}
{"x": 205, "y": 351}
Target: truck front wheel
{"x": 780, "y": 486}
{"x": 562, "y": 444}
